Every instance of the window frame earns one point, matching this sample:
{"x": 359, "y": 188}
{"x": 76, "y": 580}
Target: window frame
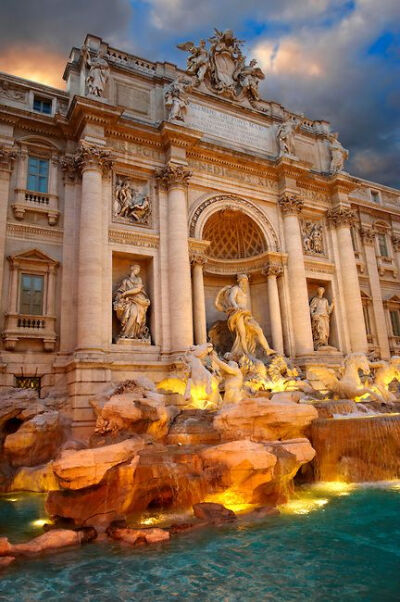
{"x": 37, "y": 174}
{"x": 395, "y": 323}
{"x": 31, "y": 275}
{"x": 42, "y": 100}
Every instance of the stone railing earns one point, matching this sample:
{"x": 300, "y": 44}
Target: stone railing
{"x": 38, "y": 202}
{"x": 27, "y": 326}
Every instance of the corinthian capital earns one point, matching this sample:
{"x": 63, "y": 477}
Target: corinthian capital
{"x": 341, "y": 216}
{"x": 93, "y": 156}
{"x": 196, "y": 257}
{"x": 69, "y": 167}
{"x": 173, "y": 174}
{"x": 290, "y": 204}
{"x": 272, "y": 269}
{"x": 7, "y": 157}
{"x": 367, "y": 236}
{"x": 396, "y": 242}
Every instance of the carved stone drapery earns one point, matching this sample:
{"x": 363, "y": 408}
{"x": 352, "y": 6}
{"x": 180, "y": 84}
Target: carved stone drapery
{"x": 173, "y": 174}
{"x": 291, "y": 204}
{"x": 7, "y": 157}
{"x": 367, "y": 236}
{"x": 341, "y": 216}
{"x": 91, "y": 156}
{"x": 131, "y": 205}
{"x": 312, "y": 235}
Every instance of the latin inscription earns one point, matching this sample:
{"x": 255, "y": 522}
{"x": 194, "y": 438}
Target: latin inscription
{"x": 240, "y": 131}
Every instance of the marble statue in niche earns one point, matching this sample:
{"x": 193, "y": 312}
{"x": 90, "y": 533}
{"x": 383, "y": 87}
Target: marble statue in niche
{"x": 99, "y": 72}
{"x": 338, "y": 154}
{"x": 223, "y": 67}
{"x": 131, "y": 303}
{"x": 176, "y": 99}
{"x": 313, "y": 242}
{"x": 130, "y": 204}
{"x": 233, "y": 301}
{"x": 285, "y": 135}
{"x": 320, "y": 311}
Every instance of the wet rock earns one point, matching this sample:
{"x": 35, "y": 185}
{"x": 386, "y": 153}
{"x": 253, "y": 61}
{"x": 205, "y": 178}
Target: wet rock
{"x": 5, "y": 546}
{"x": 74, "y": 444}
{"x": 263, "y": 512}
{"x": 178, "y": 528}
{"x": 37, "y": 440}
{"x": 87, "y": 467}
{"x": 31, "y": 411}
{"x": 240, "y": 466}
{"x": 215, "y": 514}
{"x": 138, "y": 536}
{"x": 6, "y": 561}
{"x": 193, "y": 427}
{"x": 291, "y": 456}
{"x": 282, "y": 396}
{"x": 39, "y": 479}
{"x": 332, "y": 407}
{"x": 263, "y": 419}
{"x": 54, "y": 539}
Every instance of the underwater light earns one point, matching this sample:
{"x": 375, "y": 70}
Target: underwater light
{"x": 303, "y": 506}
{"x": 11, "y": 499}
{"x": 40, "y": 522}
{"x": 231, "y": 500}
{"x": 335, "y": 487}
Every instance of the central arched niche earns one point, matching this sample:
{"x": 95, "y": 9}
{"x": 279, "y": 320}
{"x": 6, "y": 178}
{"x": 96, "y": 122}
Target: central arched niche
{"x": 237, "y": 244}
{"x": 233, "y": 235}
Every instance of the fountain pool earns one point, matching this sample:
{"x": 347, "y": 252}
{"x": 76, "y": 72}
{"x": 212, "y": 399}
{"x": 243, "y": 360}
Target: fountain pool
{"x": 334, "y": 542}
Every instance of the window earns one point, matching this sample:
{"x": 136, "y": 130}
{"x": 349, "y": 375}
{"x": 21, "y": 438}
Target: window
{"x": 383, "y": 250}
{"x": 375, "y": 196}
{"x": 38, "y": 174}
{"x": 42, "y": 105}
{"x": 366, "y": 320}
{"x": 28, "y": 382}
{"x": 31, "y": 300}
{"x": 395, "y": 321}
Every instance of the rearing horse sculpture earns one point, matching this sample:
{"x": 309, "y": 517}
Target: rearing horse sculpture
{"x": 349, "y": 386}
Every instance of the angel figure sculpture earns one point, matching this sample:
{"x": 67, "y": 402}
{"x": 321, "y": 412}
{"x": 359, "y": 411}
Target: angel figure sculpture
{"x": 197, "y": 61}
{"x": 249, "y": 77}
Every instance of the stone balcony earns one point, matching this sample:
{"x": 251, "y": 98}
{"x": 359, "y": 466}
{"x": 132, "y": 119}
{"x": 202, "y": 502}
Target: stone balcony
{"x": 25, "y": 326}
{"x": 37, "y": 202}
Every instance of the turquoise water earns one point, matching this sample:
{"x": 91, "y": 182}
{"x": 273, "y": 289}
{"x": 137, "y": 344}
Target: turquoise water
{"x": 346, "y": 548}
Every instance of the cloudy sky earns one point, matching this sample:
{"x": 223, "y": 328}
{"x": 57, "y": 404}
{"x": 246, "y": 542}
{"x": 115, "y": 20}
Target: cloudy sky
{"x": 337, "y": 60}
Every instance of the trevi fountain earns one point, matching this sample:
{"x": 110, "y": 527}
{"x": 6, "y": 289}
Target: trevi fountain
{"x": 252, "y": 446}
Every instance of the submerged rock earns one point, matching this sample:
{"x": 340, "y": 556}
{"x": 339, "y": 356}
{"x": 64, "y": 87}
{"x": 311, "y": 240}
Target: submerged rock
{"x": 263, "y": 419}
{"x": 215, "y": 514}
{"x": 139, "y": 536}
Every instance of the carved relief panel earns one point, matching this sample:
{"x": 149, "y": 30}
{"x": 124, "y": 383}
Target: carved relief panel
{"x": 131, "y": 201}
{"x": 313, "y": 237}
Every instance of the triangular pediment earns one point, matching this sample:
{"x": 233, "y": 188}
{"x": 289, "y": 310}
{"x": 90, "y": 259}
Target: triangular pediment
{"x": 33, "y": 255}
{"x": 393, "y": 299}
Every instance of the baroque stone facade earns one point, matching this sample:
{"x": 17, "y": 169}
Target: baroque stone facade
{"x": 136, "y": 164}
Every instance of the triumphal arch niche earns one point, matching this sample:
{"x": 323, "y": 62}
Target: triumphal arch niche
{"x": 239, "y": 240}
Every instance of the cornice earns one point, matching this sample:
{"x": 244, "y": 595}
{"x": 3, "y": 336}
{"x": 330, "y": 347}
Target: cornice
{"x": 32, "y": 232}
{"x": 134, "y": 238}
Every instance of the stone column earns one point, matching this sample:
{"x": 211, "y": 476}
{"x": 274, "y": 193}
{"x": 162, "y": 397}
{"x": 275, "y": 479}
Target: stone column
{"x": 291, "y": 207}
{"x": 92, "y": 161}
{"x": 7, "y": 157}
{"x": 198, "y": 261}
{"x": 51, "y": 289}
{"x": 342, "y": 219}
{"x": 396, "y": 248}
{"x": 13, "y": 296}
{"x": 368, "y": 238}
{"x": 272, "y": 272}
{"x": 175, "y": 178}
